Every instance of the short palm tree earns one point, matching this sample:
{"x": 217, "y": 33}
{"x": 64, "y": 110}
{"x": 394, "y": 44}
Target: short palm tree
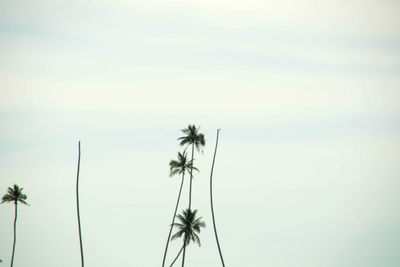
{"x": 179, "y": 166}
{"x": 188, "y": 227}
{"x": 196, "y": 139}
{"x": 14, "y": 195}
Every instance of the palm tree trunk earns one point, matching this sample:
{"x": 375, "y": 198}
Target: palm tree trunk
{"x": 15, "y": 234}
{"x": 184, "y": 250}
{"x": 173, "y": 219}
{"x": 77, "y": 202}
{"x": 177, "y": 256}
{"x": 211, "y": 200}
{"x": 191, "y": 176}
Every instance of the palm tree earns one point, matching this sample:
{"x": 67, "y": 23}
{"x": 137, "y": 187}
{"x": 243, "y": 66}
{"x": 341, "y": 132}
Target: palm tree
{"x": 77, "y": 202}
{"x": 196, "y": 139}
{"x": 188, "y": 227}
{"x": 211, "y": 200}
{"x": 179, "y": 166}
{"x": 14, "y": 195}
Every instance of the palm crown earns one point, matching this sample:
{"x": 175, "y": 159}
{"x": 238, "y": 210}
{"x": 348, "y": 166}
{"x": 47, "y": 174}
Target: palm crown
{"x": 189, "y": 225}
{"x": 14, "y": 195}
{"x": 180, "y": 165}
{"x": 192, "y": 137}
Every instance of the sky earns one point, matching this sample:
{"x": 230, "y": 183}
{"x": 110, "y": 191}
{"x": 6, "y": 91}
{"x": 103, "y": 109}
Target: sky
{"x": 306, "y": 94}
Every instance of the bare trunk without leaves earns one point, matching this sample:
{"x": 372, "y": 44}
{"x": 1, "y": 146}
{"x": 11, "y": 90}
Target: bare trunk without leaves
{"x": 173, "y": 219}
{"x": 211, "y": 200}
{"x": 191, "y": 176}
{"x": 15, "y": 234}
{"x": 77, "y": 203}
{"x": 184, "y": 251}
{"x": 177, "y": 256}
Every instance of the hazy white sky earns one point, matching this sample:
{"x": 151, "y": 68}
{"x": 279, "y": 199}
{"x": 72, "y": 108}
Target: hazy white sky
{"x": 306, "y": 93}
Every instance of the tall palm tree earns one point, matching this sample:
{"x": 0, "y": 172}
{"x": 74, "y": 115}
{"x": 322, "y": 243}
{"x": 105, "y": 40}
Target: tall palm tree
{"x": 179, "y": 166}
{"x": 196, "y": 139}
{"x": 14, "y": 195}
{"x": 77, "y": 202}
{"x": 211, "y": 200}
{"x": 188, "y": 227}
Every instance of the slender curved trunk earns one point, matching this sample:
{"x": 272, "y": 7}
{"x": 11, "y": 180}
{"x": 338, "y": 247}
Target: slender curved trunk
{"x": 184, "y": 251}
{"x": 77, "y": 202}
{"x": 211, "y": 200}
{"x": 177, "y": 256}
{"x": 15, "y": 234}
{"x": 191, "y": 176}
{"x": 173, "y": 219}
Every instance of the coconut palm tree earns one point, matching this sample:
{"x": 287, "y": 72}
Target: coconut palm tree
{"x": 179, "y": 166}
{"x": 211, "y": 200}
{"x": 14, "y": 195}
{"x": 196, "y": 139}
{"x": 188, "y": 227}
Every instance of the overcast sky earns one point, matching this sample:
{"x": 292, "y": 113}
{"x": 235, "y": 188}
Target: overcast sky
{"x": 306, "y": 92}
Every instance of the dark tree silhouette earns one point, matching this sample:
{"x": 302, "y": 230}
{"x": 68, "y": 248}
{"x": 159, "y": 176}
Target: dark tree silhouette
{"x": 77, "y": 203}
{"x": 211, "y": 200}
{"x": 196, "y": 139}
{"x": 14, "y": 195}
{"x": 188, "y": 227}
{"x": 179, "y": 166}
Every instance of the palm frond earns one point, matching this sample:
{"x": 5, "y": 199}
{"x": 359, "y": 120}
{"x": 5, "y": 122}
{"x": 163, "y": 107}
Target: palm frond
{"x": 7, "y": 198}
{"x": 177, "y": 235}
{"x": 14, "y": 194}
{"x": 196, "y": 239}
{"x": 194, "y": 168}
{"x": 188, "y": 226}
{"x": 23, "y": 202}
{"x": 192, "y": 136}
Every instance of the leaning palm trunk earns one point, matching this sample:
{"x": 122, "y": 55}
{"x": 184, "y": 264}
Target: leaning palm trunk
{"x": 211, "y": 200}
{"x": 15, "y": 234}
{"x": 191, "y": 176}
{"x": 173, "y": 219}
{"x": 177, "y": 256}
{"x": 77, "y": 203}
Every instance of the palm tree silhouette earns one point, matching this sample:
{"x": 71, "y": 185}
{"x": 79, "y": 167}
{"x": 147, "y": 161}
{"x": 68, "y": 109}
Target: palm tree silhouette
{"x": 179, "y": 166}
{"x": 196, "y": 139}
{"x": 188, "y": 227}
{"x": 211, "y": 200}
{"x": 14, "y": 195}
